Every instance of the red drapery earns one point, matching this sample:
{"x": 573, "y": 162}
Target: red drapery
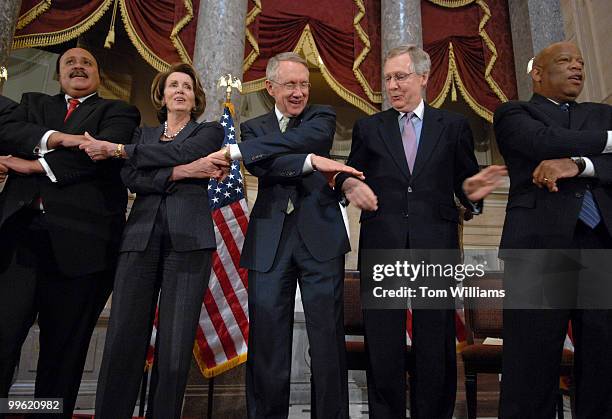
{"x": 163, "y": 31}
{"x": 342, "y": 38}
{"x": 470, "y": 46}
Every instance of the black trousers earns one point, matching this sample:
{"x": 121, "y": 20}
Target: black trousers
{"x": 67, "y": 309}
{"x": 271, "y": 311}
{"x": 433, "y": 382}
{"x": 180, "y": 280}
{"x": 533, "y": 343}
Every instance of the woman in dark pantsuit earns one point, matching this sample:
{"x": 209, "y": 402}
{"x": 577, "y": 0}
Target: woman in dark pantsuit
{"x": 165, "y": 252}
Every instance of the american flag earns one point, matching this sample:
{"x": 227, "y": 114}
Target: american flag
{"x": 223, "y": 329}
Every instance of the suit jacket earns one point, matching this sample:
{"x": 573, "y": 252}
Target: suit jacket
{"x": 6, "y": 107}
{"x": 319, "y": 219}
{"x": 147, "y": 173}
{"x": 418, "y": 205}
{"x": 85, "y": 208}
{"x": 529, "y": 132}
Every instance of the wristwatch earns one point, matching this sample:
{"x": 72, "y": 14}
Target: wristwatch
{"x": 580, "y": 163}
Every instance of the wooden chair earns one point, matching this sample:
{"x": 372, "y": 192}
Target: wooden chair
{"x": 484, "y": 318}
{"x": 353, "y": 325}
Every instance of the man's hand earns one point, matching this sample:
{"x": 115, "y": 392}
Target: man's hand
{"x": 21, "y": 166}
{"x": 3, "y": 173}
{"x": 201, "y": 168}
{"x": 360, "y": 194}
{"x": 59, "y": 139}
{"x": 549, "y": 171}
{"x": 484, "y": 182}
{"x": 330, "y": 168}
{"x": 98, "y": 149}
{"x": 219, "y": 158}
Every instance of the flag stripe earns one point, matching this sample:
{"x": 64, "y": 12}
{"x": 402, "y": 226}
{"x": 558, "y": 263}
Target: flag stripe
{"x": 219, "y": 326}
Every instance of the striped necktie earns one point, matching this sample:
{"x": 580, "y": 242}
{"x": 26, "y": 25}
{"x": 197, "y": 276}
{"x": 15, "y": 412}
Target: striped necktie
{"x": 589, "y": 213}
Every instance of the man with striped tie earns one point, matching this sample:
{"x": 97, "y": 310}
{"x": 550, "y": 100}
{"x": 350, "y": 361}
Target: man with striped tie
{"x": 557, "y": 153}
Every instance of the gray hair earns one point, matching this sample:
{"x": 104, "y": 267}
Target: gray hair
{"x": 273, "y": 63}
{"x": 419, "y": 59}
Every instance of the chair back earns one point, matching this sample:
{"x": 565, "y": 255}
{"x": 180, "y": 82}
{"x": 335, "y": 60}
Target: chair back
{"x": 484, "y": 315}
{"x": 353, "y": 317}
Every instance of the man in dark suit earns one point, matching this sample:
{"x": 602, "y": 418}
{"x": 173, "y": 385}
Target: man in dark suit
{"x": 415, "y": 159}
{"x": 61, "y": 214}
{"x": 6, "y": 107}
{"x": 557, "y": 152}
{"x": 295, "y": 235}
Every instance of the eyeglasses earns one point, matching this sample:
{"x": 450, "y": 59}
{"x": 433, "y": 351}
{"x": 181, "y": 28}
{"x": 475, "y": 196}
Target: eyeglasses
{"x": 291, "y": 86}
{"x": 398, "y": 77}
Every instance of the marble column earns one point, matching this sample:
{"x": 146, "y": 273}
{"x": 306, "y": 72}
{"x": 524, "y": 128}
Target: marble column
{"x": 9, "y": 13}
{"x": 400, "y": 24}
{"x": 535, "y": 24}
{"x": 219, "y": 49}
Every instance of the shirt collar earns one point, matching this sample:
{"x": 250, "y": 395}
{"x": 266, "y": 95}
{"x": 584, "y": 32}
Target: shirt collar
{"x": 80, "y": 99}
{"x": 418, "y": 111}
{"x": 278, "y": 113}
{"x": 553, "y": 101}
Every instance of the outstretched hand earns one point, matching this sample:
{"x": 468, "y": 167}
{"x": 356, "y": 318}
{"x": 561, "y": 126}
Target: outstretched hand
{"x": 330, "y": 168}
{"x": 21, "y": 166}
{"x": 549, "y": 171}
{"x": 360, "y": 194}
{"x": 484, "y": 182}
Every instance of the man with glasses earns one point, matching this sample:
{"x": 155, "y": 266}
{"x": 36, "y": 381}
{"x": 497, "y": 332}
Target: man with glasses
{"x": 415, "y": 159}
{"x": 296, "y": 235}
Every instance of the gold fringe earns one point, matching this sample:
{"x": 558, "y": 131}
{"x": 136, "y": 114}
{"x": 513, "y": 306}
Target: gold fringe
{"x": 452, "y": 3}
{"x": 489, "y": 43}
{"x": 174, "y": 36}
{"x": 53, "y": 38}
{"x": 452, "y": 67}
{"x": 307, "y": 45}
{"x": 453, "y": 78}
{"x": 37, "y": 10}
{"x": 145, "y": 52}
{"x": 374, "y": 96}
{"x": 250, "y": 59}
{"x": 219, "y": 369}
{"x": 439, "y": 100}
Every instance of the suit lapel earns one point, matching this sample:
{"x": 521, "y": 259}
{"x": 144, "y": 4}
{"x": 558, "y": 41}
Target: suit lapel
{"x": 186, "y": 132}
{"x": 390, "y": 133}
{"x": 55, "y": 111}
{"x": 270, "y": 124}
{"x": 81, "y": 113}
{"x": 430, "y": 136}
{"x": 578, "y": 115}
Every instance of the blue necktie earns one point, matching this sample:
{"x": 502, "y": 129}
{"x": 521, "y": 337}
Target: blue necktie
{"x": 589, "y": 213}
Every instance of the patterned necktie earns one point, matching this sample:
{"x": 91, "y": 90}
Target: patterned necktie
{"x": 409, "y": 140}
{"x": 72, "y": 105}
{"x": 589, "y": 213}
{"x": 283, "y": 122}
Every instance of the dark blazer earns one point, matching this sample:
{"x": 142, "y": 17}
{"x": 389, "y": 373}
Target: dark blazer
{"x": 319, "y": 219}
{"x": 420, "y": 204}
{"x": 529, "y": 132}
{"x": 147, "y": 173}
{"x": 87, "y": 204}
{"x": 6, "y": 107}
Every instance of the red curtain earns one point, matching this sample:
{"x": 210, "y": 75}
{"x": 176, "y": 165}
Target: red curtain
{"x": 163, "y": 31}
{"x": 471, "y": 52}
{"x": 342, "y": 38}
